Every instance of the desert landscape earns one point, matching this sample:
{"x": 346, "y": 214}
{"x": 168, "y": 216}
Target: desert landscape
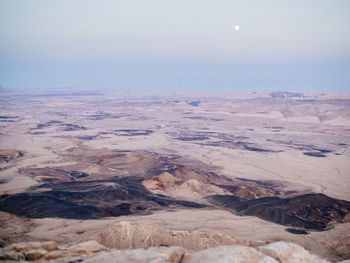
{"x": 192, "y": 171}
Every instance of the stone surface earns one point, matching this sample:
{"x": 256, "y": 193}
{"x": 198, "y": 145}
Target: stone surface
{"x": 154, "y": 255}
{"x": 56, "y": 254}
{"x": 88, "y": 247}
{"x": 49, "y": 246}
{"x": 237, "y": 254}
{"x": 11, "y": 255}
{"x": 92, "y": 251}
{"x": 35, "y": 254}
{"x": 20, "y": 247}
{"x": 289, "y": 253}
{"x": 26, "y": 246}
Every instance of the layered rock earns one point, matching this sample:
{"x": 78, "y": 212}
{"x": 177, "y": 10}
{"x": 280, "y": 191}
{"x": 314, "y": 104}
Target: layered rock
{"x": 126, "y": 234}
{"x": 92, "y": 251}
{"x": 289, "y": 253}
{"x": 231, "y": 254}
{"x": 33, "y": 251}
{"x": 167, "y": 184}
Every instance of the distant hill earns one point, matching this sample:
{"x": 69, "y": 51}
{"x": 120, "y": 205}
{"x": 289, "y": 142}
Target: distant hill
{"x": 285, "y": 94}
{"x": 4, "y": 90}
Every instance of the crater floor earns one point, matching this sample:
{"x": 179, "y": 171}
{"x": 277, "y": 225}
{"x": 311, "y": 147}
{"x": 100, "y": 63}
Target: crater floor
{"x": 255, "y": 168}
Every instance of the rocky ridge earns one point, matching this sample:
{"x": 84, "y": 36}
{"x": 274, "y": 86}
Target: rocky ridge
{"x": 92, "y": 251}
{"x": 131, "y": 235}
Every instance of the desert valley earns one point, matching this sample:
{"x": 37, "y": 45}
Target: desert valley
{"x": 193, "y": 171}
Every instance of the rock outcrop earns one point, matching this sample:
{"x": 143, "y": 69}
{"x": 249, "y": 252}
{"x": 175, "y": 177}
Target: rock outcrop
{"x": 125, "y": 234}
{"x": 8, "y": 156}
{"x": 33, "y": 251}
{"x": 289, "y": 253}
{"x": 192, "y": 189}
{"x": 309, "y": 211}
{"x": 92, "y": 251}
{"x": 231, "y": 254}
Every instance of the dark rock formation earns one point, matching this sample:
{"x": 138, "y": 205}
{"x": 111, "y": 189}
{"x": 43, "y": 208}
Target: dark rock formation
{"x": 89, "y": 199}
{"x": 309, "y": 211}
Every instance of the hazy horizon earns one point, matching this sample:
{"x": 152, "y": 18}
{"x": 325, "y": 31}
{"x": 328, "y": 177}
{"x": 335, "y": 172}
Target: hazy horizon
{"x": 175, "y": 46}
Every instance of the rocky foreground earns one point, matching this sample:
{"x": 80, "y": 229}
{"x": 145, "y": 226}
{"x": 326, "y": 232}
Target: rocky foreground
{"x": 92, "y": 251}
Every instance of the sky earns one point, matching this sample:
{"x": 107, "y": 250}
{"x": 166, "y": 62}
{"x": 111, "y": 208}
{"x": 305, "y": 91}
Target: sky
{"x": 183, "y": 45}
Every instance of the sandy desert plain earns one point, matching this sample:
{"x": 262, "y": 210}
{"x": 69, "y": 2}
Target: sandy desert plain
{"x": 196, "y": 171}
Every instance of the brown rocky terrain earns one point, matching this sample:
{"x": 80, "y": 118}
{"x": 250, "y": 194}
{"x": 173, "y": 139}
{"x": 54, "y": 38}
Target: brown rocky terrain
{"x": 309, "y": 211}
{"x": 92, "y": 251}
{"x": 126, "y": 234}
{"x": 146, "y": 182}
{"x": 200, "y": 173}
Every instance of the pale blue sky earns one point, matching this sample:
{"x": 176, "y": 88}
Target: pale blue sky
{"x": 175, "y": 45}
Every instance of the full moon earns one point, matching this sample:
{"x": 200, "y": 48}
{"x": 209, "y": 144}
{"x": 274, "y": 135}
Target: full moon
{"x": 236, "y": 27}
